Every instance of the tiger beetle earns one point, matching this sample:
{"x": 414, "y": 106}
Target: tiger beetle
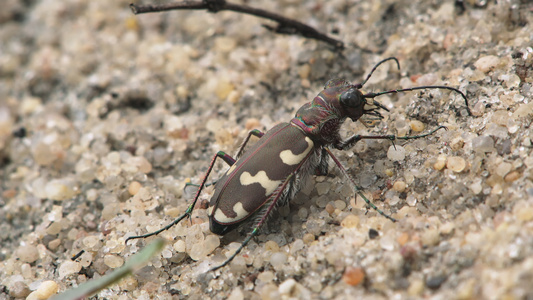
{"x": 272, "y": 171}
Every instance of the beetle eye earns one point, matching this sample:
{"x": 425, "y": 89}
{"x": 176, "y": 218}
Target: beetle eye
{"x": 351, "y": 98}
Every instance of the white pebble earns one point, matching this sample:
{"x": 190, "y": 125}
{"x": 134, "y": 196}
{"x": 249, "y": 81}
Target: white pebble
{"x": 68, "y": 268}
{"x": 396, "y": 153}
{"x": 287, "y": 286}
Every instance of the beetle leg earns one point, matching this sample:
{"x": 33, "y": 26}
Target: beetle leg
{"x": 343, "y": 145}
{"x": 225, "y": 157}
{"x": 356, "y": 187}
{"x": 254, "y": 132}
{"x": 255, "y": 231}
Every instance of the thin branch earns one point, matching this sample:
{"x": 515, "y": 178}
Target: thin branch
{"x": 285, "y": 25}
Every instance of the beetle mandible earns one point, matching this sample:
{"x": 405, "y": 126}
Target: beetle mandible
{"x": 293, "y": 150}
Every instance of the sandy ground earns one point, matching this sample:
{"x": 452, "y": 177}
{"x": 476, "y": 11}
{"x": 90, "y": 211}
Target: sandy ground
{"x": 105, "y": 116}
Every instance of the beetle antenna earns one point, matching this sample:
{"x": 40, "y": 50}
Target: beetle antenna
{"x": 373, "y": 95}
{"x": 360, "y": 85}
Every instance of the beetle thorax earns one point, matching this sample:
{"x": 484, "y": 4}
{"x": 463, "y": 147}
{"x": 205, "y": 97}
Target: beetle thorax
{"x": 320, "y": 120}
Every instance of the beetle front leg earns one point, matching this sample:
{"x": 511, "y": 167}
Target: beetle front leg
{"x": 347, "y": 144}
{"x": 225, "y": 157}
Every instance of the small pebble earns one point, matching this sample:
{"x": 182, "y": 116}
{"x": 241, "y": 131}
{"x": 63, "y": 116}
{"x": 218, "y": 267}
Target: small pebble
{"x": 340, "y": 205}
{"x": 134, "y": 187}
{"x": 308, "y": 238}
{"x": 266, "y": 276}
{"x": 399, "y": 186}
{"x": 271, "y": 246}
{"x": 416, "y": 287}
{"x": 28, "y": 253}
{"x": 351, "y": 221}
{"x": 353, "y": 275}
{"x": 403, "y": 238}
{"x": 440, "y": 163}
{"x": 278, "y": 259}
{"x": 211, "y": 243}
{"x": 396, "y": 153}
{"x": 416, "y": 125}
{"x": 18, "y": 289}
{"x": 487, "y": 63}
{"x": 45, "y": 290}
{"x": 436, "y": 281}
{"x": 430, "y": 237}
{"x": 372, "y": 233}
{"x": 456, "y": 164}
{"x": 68, "y": 267}
{"x": 512, "y": 176}
{"x": 113, "y": 261}
{"x": 330, "y": 208}
{"x": 236, "y": 294}
{"x": 286, "y": 287}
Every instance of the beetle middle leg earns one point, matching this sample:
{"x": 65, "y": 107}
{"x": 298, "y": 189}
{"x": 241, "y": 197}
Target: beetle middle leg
{"x": 225, "y": 157}
{"x": 254, "y": 132}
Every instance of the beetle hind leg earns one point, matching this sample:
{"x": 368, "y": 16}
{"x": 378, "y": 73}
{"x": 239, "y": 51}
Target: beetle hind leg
{"x": 222, "y": 155}
{"x": 279, "y": 194}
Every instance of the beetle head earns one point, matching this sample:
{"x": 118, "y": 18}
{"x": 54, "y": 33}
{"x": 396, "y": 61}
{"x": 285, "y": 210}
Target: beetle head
{"x": 352, "y": 103}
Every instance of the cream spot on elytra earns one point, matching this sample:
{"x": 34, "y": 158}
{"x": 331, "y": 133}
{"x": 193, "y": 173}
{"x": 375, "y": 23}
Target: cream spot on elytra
{"x": 237, "y": 208}
{"x": 261, "y": 178}
{"x": 290, "y": 158}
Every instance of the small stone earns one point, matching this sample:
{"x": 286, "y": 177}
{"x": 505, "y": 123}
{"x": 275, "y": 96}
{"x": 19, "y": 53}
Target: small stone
{"x": 28, "y": 253}
{"x": 340, "y": 205}
{"x": 308, "y": 238}
{"x": 416, "y": 125}
{"x": 436, "y": 281}
{"x": 487, "y": 63}
{"x": 387, "y": 243}
{"x": 512, "y": 176}
{"x": 372, "y": 233}
{"x": 45, "y": 290}
{"x": 113, "y": 261}
{"x": 271, "y": 246}
{"x": 457, "y": 143}
{"x": 396, "y": 153}
{"x": 353, "y": 276}
{"x": 403, "y": 238}
{"x": 236, "y": 294}
{"x": 59, "y": 190}
{"x": 399, "y": 186}
{"x": 53, "y": 244}
{"x": 456, "y": 164}
{"x": 252, "y": 123}
{"x": 180, "y": 246}
{"x": 266, "y": 276}
{"x": 330, "y": 208}
{"x": 211, "y": 243}
{"x": 416, "y": 287}
{"x": 278, "y": 259}
{"x": 286, "y": 287}
{"x": 430, "y": 237}
{"x": 68, "y": 267}
{"x": 440, "y": 163}
{"x": 134, "y": 187}
{"x": 18, "y": 289}
{"x": 351, "y": 221}
{"x": 483, "y": 144}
